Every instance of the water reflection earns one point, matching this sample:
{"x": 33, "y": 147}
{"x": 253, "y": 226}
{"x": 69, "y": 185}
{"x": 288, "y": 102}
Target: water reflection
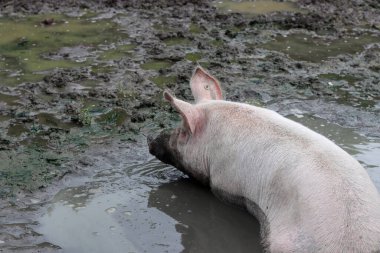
{"x": 205, "y": 223}
{"x": 90, "y": 229}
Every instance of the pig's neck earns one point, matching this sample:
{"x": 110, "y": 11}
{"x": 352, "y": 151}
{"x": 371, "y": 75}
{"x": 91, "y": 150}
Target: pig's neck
{"x": 239, "y": 177}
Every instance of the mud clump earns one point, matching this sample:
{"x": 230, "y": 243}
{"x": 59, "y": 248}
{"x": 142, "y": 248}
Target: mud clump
{"x": 61, "y": 78}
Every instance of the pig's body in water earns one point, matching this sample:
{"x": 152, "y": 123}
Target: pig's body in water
{"x": 308, "y": 194}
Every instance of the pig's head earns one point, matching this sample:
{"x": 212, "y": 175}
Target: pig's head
{"x": 186, "y": 146}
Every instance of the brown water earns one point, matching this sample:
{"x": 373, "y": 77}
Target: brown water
{"x": 157, "y": 210}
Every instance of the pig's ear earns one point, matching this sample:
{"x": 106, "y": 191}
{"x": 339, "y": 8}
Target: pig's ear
{"x": 190, "y": 115}
{"x": 204, "y": 86}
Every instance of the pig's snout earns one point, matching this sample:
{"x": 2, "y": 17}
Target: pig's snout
{"x": 150, "y": 140}
{"x": 159, "y": 146}
{"x": 153, "y": 144}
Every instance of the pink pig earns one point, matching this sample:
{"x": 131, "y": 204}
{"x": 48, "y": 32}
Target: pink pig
{"x": 307, "y": 193}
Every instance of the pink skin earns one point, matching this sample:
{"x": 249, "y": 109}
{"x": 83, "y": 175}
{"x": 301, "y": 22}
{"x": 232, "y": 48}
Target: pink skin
{"x": 308, "y": 194}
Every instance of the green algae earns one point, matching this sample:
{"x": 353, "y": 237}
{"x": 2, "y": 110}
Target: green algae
{"x": 116, "y": 116}
{"x": 28, "y": 169}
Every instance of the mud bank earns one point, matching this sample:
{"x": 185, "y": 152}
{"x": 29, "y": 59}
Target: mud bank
{"x": 81, "y": 84}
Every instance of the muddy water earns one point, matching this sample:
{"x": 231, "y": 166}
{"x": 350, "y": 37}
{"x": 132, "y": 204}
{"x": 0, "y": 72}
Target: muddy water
{"x": 151, "y": 207}
{"x": 157, "y": 210}
{"x": 314, "y": 49}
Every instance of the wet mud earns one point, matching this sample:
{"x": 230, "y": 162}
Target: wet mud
{"x": 81, "y": 86}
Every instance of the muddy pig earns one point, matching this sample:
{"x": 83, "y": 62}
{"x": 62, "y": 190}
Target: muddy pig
{"x": 307, "y": 193}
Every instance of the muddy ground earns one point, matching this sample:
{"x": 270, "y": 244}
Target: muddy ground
{"x": 72, "y": 108}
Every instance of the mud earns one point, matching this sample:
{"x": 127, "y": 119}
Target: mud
{"x": 81, "y": 85}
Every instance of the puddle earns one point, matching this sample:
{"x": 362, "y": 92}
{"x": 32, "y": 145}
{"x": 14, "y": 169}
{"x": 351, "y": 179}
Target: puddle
{"x": 8, "y": 99}
{"x": 156, "y": 65}
{"x": 163, "y": 81}
{"x": 335, "y": 77}
{"x": 90, "y": 229}
{"x": 303, "y": 47}
{"x": 102, "y": 68}
{"x": 10, "y": 78}
{"x": 177, "y": 41}
{"x": 4, "y": 118}
{"x": 117, "y": 53}
{"x": 49, "y": 119}
{"x": 194, "y": 28}
{"x": 193, "y": 57}
{"x": 257, "y": 7}
{"x": 156, "y": 210}
{"x": 28, "y": 47}
{"x": 17, "y": 129}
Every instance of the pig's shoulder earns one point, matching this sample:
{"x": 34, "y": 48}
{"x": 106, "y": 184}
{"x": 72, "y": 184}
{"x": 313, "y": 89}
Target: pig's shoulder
{"x": 246, "y": 114}
{"x": 262, "y": 120}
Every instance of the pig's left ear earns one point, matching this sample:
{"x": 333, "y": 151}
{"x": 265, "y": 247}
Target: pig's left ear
{"x": 190, "y": 115}
{"x": 204, "y": 86}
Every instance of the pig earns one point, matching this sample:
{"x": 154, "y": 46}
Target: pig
{"x": 308, "y": 194}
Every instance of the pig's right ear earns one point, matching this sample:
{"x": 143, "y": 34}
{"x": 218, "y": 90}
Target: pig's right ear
{"x": 204, "y": 86}
{"x": 190, "y": 115}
